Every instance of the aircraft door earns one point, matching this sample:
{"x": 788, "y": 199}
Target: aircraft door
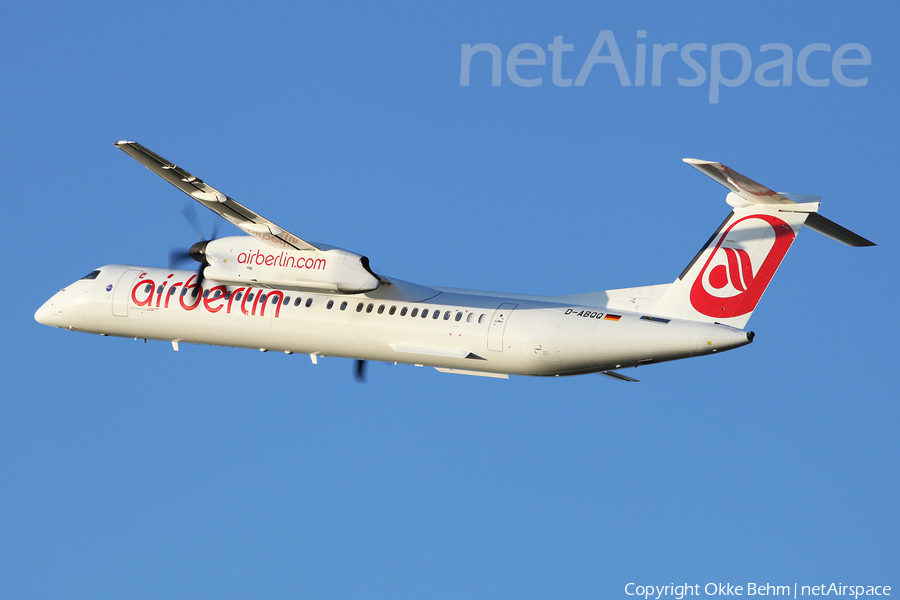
{"x": 498, "y": 325}
{"x": 540, "y": 334}
{"x": 122, "y": 291}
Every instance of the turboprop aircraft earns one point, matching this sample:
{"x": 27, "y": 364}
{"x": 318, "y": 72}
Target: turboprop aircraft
{"x": 272, "y": 290}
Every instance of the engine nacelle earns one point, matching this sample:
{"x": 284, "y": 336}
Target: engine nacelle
{"x": 243, "y": 260}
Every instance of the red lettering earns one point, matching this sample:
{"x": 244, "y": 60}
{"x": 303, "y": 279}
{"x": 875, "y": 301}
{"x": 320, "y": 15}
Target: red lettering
{"x": 140, "y": 284}
{"x": 215, "y": 294}
{"x": 231, "y": 299}
{"x": 256, "y": 300}
{"x": 276, "y": 294}
{"x": 187, "y": 287}
{"x": 162, "y": 290}
{"x": 244, "y": 301}
{"x": 282, "y": 259}
{"x": 172, "y": 292}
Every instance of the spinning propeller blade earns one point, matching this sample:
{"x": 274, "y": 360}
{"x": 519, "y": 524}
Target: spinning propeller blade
{"x": 198, "y": 250}
{"x": 360, "y": 372}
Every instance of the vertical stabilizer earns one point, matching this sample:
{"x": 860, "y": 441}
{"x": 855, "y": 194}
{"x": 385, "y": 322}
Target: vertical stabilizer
{"x": 727, "y": 278}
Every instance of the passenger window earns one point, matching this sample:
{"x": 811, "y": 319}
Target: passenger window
{"x": 481, "y": 318}
{"x": 424, "y": 312}
{"x": 359, "y": 307}
{"x": 274, "y": 300}
{"x": 287, "y": 300}
{"x": 393, "y": 310}
{"x": 343, "y": 305}
{"x": 159, "y": 289}
{"x": 370, "y": 307}
{"x": 403, "y": 311}
{"x": 172, "y": 291}
{"x": 330, "y": 304}
{"x": 262, "y": 298}
{"x": 92, "y": 275}
{"x": 148, "y": 288}
{"x": 194, "y": 292}
{"x": 308, "y": 302}
{"x": 298, "y": 301}
{"x": 237, "y": 296}
{"x": 436, "y": 315}
{"x": 250, "y": 297}
{"x": 447, "y": 315}
{"x": 469, "y": 317}
{"x": 414, "y": 312}
{"x": 381, "y": 309}
{"x": 458, "y": 316}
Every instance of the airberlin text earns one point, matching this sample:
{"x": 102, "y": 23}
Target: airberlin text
{"x": 283, "y": 259}
{"x": 147, "y": 293}
{"x": 680, "y": 591}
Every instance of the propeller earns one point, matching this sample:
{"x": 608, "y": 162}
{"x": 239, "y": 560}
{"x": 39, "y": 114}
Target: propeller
{"x": 360, "y": 371}
{"x": 196, "y": 252}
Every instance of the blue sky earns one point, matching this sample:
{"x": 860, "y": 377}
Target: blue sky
{"x": 129, "y": 470}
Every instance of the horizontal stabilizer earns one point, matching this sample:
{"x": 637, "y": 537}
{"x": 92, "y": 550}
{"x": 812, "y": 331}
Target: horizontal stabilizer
{"x": 746, "y": 188}
{"x": 829, "y": 228}
{"x": 750, "y": 193}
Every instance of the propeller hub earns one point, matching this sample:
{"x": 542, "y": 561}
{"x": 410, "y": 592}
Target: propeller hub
{"x": 198, "y": 252}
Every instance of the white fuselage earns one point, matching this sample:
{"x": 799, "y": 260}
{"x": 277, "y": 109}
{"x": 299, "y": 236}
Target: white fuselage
{"x": 455, "y": 330}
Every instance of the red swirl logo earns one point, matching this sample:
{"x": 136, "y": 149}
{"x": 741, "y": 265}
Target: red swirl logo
{"x": 728, "y": 286}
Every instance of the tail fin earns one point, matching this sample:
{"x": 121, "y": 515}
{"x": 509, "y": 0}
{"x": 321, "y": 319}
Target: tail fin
{"x": 726, "y": 279}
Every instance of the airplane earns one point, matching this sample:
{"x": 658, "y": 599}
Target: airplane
{"x": 273, "y": 291}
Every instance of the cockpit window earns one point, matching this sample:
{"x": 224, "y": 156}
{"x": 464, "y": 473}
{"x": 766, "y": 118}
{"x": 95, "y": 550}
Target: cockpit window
{"x": 92, "y": 275}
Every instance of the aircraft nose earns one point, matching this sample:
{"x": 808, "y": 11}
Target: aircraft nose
{"x": 52, "y": 312}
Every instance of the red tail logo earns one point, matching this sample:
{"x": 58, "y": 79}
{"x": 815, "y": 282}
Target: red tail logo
{"x": 729, "y": 285}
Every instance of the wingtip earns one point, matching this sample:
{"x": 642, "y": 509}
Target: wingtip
{"x": 123, "y": 143}
{"x": 697, "y": 161}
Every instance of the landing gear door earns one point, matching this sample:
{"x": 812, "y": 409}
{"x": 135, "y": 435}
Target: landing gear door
{"x": 498, "y": 325}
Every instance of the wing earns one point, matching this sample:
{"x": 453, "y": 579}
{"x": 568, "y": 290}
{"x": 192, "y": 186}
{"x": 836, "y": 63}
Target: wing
{"x": 233, "y": 212}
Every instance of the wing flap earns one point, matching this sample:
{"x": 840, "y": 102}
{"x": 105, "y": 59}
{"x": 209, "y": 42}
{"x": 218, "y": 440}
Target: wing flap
{"x": 229, "y": 209}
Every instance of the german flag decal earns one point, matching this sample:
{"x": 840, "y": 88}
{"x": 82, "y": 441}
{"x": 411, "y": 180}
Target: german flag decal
{"x": 612, "y": 317}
